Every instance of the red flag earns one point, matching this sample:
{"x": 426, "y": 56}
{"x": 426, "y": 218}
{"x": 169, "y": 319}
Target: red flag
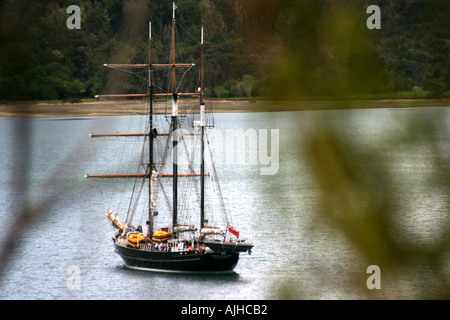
{"x": 233, "y": 231}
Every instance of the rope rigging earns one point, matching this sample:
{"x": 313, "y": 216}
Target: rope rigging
{"x": 189, "y": 196}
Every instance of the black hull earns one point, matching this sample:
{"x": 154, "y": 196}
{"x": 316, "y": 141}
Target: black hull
{"x": 177, "y": 261}
{"x": 228, "y": 247}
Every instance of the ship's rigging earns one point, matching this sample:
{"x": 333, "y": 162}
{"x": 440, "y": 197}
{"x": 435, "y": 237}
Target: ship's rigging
{"x": 176, "y": 174}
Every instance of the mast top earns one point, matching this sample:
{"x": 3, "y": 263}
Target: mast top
{"x": 150, "y": 30}
{"x": 201, "y": 41}
{"x": 174, "y": 8}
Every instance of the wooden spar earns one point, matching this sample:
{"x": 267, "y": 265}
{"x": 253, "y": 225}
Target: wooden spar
{"x": 144, "y": 95}
{"x": 132, "y": 95}
{"x": 126, "y": 65}
{"x": 178, "y": 94}
{"x": 163, "y": 175}
{"x": 95, "y": 135}
{"x": 116, "y": 175}
{"x": 173, "y": 64}
{"x": 145, "y": 65}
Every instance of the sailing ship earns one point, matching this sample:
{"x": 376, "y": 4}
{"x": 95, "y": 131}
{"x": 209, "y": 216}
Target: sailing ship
{"x": 183, "y": 245}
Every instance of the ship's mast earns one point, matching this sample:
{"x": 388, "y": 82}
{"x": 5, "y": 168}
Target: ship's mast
{"x": 151, "y": 172}
{"x": 202, "y": 127}
{"x": 174, "y": 128}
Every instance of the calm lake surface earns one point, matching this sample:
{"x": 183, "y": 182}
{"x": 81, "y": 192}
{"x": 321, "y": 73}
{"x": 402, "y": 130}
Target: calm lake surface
{"x": 275, "y": 212}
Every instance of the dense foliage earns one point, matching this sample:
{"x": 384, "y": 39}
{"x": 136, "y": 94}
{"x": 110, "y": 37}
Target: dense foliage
{"x": 253, "y": 47}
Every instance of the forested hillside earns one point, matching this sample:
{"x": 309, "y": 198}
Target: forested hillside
{"x": 253, "y": 47}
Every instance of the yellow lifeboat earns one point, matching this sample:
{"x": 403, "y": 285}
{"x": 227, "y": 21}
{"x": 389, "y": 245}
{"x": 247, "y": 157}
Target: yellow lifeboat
{"x": 135, "y": 240}
{"x": 161, "y": 236}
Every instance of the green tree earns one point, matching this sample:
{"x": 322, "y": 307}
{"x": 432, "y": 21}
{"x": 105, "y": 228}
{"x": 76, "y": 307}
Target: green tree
{"x": 76, "y": 88}
{"x": 321, "y": 48}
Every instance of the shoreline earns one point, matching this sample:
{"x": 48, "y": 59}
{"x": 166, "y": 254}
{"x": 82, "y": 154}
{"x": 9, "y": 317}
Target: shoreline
{"x": 130, "y": 107}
